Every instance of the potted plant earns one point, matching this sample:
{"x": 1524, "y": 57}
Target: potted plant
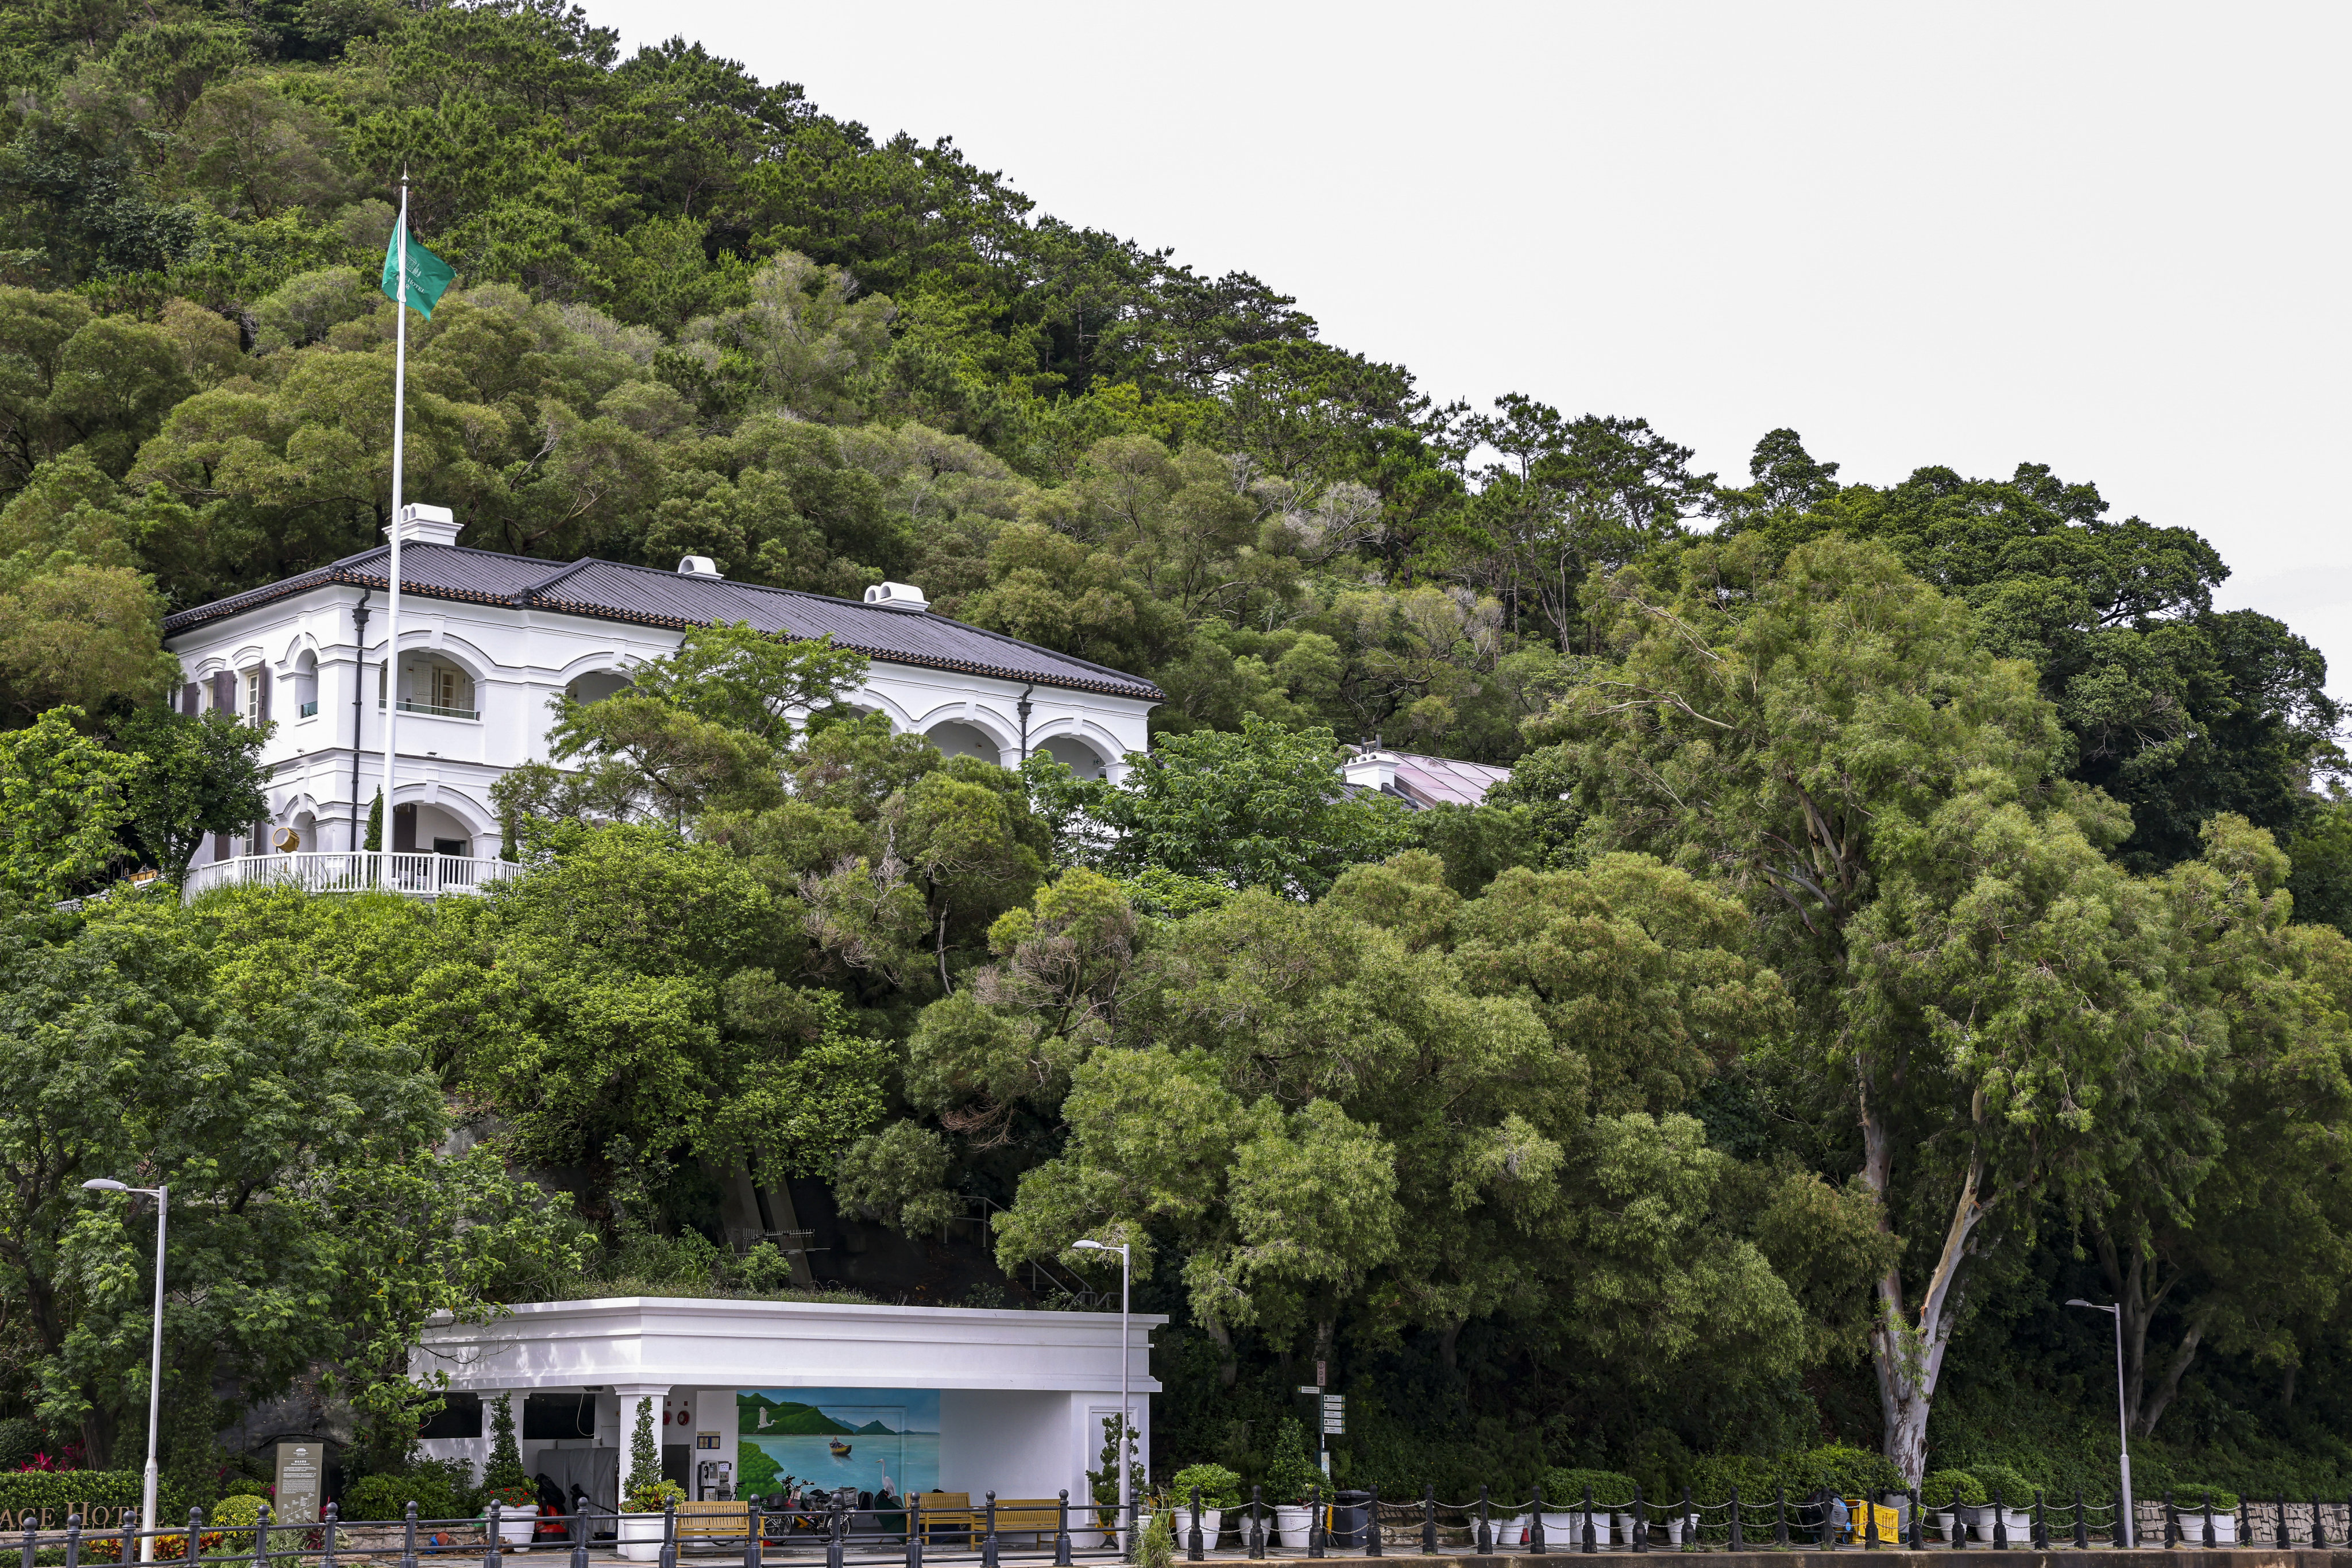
{"x": 1220, "y": 1490}
{"x": 1103, "y": 1483}
{"x": 503, "y": 1483}
{"x": 2192, "y": 1501}
{"x": 646, "y": 1497}
{"x": 2008, "y": 1491}
{"x": 1945, "y": 1494}
{"x": 1293, "y": 1481}
{"x": 1612, "y": 1491}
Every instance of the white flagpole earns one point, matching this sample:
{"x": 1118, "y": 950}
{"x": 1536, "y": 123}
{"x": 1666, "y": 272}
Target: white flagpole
{"x": 399, "y": 446}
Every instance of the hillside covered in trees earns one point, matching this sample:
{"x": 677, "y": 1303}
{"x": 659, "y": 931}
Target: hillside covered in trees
{"x": 1914, "y": 903}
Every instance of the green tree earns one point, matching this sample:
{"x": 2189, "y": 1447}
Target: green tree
{"x": 190, "y": 776}
{"x": 1883, "y": 794}
{"x": 61, "y": 803}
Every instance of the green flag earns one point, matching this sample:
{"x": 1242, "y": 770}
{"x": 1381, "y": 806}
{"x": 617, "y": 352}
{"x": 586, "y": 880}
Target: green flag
{"x": 428, "y": 277}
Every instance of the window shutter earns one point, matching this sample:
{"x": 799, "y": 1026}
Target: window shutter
{"x": 265, "y": 694}
{"x": 225, "y": 691}
{"x": 190, "y": 699}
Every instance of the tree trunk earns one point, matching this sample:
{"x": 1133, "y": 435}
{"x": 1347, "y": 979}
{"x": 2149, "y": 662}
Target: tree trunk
{"x": 2161, "y": 1398}
{"x": 2137, "y": 1305}
{"x": 1907, "y": 1352}
{"x": 1451, "y": 1335}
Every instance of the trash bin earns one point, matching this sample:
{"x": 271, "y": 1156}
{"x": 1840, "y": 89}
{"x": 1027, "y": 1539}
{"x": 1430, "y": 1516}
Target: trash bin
{"x": 1351, "y": 1519}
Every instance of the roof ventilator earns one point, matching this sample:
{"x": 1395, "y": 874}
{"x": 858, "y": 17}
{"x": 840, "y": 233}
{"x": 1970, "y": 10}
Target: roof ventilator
{"x": 422, "y": 524}
{"x": 896, "y": 596}
{"x": 698, "y": 566}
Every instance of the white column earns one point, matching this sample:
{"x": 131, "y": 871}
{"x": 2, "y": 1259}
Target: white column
{"x": 629, "y": 1393}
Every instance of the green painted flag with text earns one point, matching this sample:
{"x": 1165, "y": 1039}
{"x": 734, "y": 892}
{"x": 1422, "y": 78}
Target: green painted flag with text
{"x": 429, "y": 276}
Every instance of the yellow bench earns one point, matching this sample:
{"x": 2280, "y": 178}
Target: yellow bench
{"x": 714, "y": 1521}
{"x": 957, "y": 1513}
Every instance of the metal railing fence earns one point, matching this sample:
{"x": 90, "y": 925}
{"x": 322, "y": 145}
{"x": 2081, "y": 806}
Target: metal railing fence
{"x": 424, "y": 876}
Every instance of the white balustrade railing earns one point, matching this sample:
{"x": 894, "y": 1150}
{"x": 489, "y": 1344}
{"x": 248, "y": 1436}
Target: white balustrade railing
{"x": 350, "y": 871}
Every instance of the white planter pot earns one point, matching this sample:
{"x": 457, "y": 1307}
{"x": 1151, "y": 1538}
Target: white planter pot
{"x": 515, "y": 1529}
{"x": 1947, "y": 1522}
{"x": 1512, "y": 1531}
{"x": 640, "y": 1537}
{"x": 2017, "y": 1521}
{"x": 2192, "y": 1528}
{"x": 1212, "y": 1522}
{"x": 1290, "y": 1524}
{"x": 1624, "y": 1525}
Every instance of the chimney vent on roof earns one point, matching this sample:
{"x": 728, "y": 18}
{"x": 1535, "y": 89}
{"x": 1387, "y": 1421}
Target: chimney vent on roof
{"x": 422, "y": 524}
{"x": 698, "y": 566}
{"x": 1370, "y": 768}
{"x": 898, "y": 597}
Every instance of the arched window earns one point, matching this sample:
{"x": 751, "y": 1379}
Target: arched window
{"x": 596, "y": 685}
{"x": 432, "y": 684}
{"x": 305, "y": 684}
{"x": 1073, "y": 754}
{"x": 955, "y": 739}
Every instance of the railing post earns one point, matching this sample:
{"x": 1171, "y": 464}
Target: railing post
{"x": 2171, "y": 1521}
{"x": 2082, "y": 1525}
{"x": 670, "y": 1534}
{"x": 33, "y": 1538}
{"x": 1253, "y": 1538}
{"x": 408, "y": 1538}
{"x": 490, "y": 1551}
{"x": 73, "y": 1540}
{"x": 2318, "y": 1530}
{"x": 1689, "y": 1532}
{"x": 752, "y": 1529}
{"x": 1485, "y": 1540}
{"x": 326, "y": 1540}
{"x": 836, "y": 1544}
{"x": 1062, "y": 1530}
{"x": 2279, "y": 1499}
{"x": 2000, "y": 1519}
{"x": 2041, "y": 1523}
{"x": 1539, "y": 1542}
{"x": 2209, "y": 1517}
{"x": 1869, "y": 1523}
{"x": 1315, "y": 1521}
{"x": 1428, "y": 1521}
{"x": 195, "y": 1532}
{"x": 1779, "y": 1513}
{"x": 1372, "y": 1520}
{"x": 1829, "y": 1518}
{"x": 1590, "y": 1544}
{"x": 1919, "y": 1534}
{"x": 581, "y": 1528}
{"x": 988, "y": 1537}
{"x": 1738, "y": 1540}
{"x": 1641, "y": 1521}
{"x": 261, "y": 1537}
{"x": 915, "y": 1529}
{"x": 1193, "y": 1536}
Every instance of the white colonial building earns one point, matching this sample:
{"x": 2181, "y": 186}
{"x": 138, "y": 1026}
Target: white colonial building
{"x": 486, "y": 641}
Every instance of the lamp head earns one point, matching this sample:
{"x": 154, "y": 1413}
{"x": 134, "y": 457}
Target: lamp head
{"x": 104, "y": 1184}
{"x": 1088, "y": 1246}
{"x": 2095, "y": 1306}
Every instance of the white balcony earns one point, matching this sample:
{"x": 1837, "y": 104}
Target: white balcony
{"x": 350, "y": 871}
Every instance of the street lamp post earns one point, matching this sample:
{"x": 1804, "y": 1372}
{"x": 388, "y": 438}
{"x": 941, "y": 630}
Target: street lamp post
{"x": 155, "y": 1362}
{"x": 2126, "y": 1525}
{"x": 1126, "y": 1419}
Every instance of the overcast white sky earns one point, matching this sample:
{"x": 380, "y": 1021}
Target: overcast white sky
{"x": 2107, "y": 238}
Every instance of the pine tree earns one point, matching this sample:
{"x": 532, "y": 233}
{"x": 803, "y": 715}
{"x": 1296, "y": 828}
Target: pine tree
{"x": 375, "y": 822}
{"x": 645, "y": 1460}
{"x": 505, "y": 1468}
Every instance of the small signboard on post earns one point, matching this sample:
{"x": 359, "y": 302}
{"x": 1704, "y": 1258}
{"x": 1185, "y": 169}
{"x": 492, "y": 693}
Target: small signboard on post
{"x": 1334, "y": 1415}
{"x": 300, "y": 1473}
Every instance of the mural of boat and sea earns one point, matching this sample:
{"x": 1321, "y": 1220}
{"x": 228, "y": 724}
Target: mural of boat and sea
{"x": 837, "y": 1438}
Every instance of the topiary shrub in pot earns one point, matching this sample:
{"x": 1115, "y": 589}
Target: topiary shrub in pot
{"x": 1944, "y": 1493}
{"x": 2192, "y": 1499}
{"x": 1220, "y": 1490}
{"x": 1291, "y": 1478}
{"x": 2006, "y": 1489}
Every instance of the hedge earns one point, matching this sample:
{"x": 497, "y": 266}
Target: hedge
{"x": 100, "y": 1497}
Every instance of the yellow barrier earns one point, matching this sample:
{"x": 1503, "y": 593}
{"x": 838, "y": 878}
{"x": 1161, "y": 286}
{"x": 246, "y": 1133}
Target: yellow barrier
{"x": 1890, "y": 1520}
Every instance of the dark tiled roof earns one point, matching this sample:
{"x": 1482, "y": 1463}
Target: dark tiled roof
{"x": 647, "y": 596}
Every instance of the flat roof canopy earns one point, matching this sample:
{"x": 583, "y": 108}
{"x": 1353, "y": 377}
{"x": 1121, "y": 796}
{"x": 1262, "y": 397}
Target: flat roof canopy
{"x": 691, "y": 1343}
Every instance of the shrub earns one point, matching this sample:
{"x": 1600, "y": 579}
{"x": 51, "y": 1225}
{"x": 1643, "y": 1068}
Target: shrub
{"x": 1847, "y": 1471}
{"x": 439, "y": 1488}
{"x": 1156, "y": 1546}
{"x": 1565, "y": 1488}
{"x": 2006, "y": 1484}
{"x": 503, "y": 1474}
{"x": 652, "y": 1497}
{"x": 244, "y": 1509}
{"x": 98, "y": 1496}
{"x": 1220, "y": 1488}
{"x": 1713, "y": 1478}
{"x": 2192, "y": 1499}
{"x": 1292, "y": 1476}
{"x": 1944, "y": 1488}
